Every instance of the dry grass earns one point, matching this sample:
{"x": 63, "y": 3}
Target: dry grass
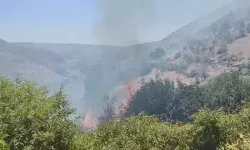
{"x": 241, "y": 47}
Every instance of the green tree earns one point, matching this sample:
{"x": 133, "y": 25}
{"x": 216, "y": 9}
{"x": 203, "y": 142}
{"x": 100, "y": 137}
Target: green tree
{"x": 158, "y": 98}
{"x": 191, "y": 97}
{"x": 30, "y": 118}
{"x": 154, "y": 98}
{"x": 227, "y": 92}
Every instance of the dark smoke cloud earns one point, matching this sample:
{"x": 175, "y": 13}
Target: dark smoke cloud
{"x": 120, "y": 20}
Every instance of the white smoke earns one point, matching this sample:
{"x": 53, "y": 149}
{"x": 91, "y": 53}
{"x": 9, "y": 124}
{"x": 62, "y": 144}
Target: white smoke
{"x": 120, "y": 20}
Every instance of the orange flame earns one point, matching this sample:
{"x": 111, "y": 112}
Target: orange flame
{"x": 89, "y": 122}
{"x": 130, "y": 89}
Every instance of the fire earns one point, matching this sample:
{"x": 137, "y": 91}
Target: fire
{"x": 89, "y": 122}
{"x": 129, "y": 88}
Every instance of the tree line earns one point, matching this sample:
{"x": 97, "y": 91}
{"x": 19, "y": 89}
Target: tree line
{"x": 161, "y": 116}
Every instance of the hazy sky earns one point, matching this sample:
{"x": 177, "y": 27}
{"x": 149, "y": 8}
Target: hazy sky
{"x": 75, "y": 21}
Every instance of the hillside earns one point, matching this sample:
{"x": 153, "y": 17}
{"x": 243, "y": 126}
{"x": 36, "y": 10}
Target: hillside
{"x": 29, "y": 63}
{"x": 89, "y": 72}
{"x": 219, "y": 47}
{"x": 190, "y": 90}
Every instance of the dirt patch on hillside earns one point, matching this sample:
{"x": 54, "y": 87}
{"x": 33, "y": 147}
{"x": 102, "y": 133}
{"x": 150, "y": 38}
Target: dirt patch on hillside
{"x": 241, "y": 47}
{"x": 170, "y": 75}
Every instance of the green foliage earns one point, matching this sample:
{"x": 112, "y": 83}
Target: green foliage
{"x": 137, "y": 133}
{"x": 209, "y": 130}
{"x": 209, "y": 135}
{"x": 3, "y": 145}
{"x": 162, "y": 99}
{"x": 221, "y": 125}
{"x": 157, "y": 98}
{"x": 191, "y": 98}
{"x": 31, "y": 119}
{"x": 241, "y": 144}
{"x": 213, "y": 116}
{"x": 227, "y": 92}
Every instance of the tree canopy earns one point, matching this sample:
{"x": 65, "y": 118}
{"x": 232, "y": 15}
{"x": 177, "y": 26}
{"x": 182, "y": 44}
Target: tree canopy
{"x": 177, "y": 103}
{"x": 31, "y": 118}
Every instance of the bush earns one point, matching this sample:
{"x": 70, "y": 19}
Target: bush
{"x": 222, "y": 50}
{"x": 153, "y": 98}
{"x": 240, "y": 144}
{"x": 3, "y": 145}
{"x": 209, "y": 130}
{"x": 140, "y": 132}
{"x": 162, "y": 99}
{"x": 32, "y": 119}
{"x": 227, "y": 92}
{"x": 177, "y": 55}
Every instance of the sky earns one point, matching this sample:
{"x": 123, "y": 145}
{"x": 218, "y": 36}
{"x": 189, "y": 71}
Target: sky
{"x": 78, "y": 21}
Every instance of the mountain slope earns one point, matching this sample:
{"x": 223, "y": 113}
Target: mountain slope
{"x": 30, "y": 63}
{"x": 198, "y": 49}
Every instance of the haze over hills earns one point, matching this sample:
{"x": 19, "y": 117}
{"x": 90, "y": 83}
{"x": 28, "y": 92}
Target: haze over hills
{"x": 89, "y": 72}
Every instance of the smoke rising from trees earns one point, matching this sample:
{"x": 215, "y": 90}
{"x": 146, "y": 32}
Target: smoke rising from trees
{"x": 120, "y": 20}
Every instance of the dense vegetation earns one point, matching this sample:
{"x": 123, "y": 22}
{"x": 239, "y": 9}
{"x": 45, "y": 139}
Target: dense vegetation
{"x": 162, "y": 116}
{"x": 209, "y": 130}
{"x": 164, "y": 99}
{"x": 31, "y": 119}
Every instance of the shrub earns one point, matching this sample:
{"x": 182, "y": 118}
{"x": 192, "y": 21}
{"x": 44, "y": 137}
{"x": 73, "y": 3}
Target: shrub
{"x": 140, "y": 132}
{"x": 30, "y": 118}
{"x": 177, "y": 55}
{"x": 3, "y": 145}
{"x": 240, "y": 144}
{"x": 162, "y": 99}
{"x": 222, "y": 50}
{"x": 209, "y": 130}
{"x": 153, "y": 98}
{"x": 227, "y": 92}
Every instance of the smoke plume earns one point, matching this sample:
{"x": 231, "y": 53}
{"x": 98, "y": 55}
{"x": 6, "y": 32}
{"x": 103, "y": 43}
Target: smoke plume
{"x": 120, "y": 20}
{"x": 119, "y": 23}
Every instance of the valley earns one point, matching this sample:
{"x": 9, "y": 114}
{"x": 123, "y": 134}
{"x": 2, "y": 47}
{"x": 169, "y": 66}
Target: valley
{"x": 202, "y": 49}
